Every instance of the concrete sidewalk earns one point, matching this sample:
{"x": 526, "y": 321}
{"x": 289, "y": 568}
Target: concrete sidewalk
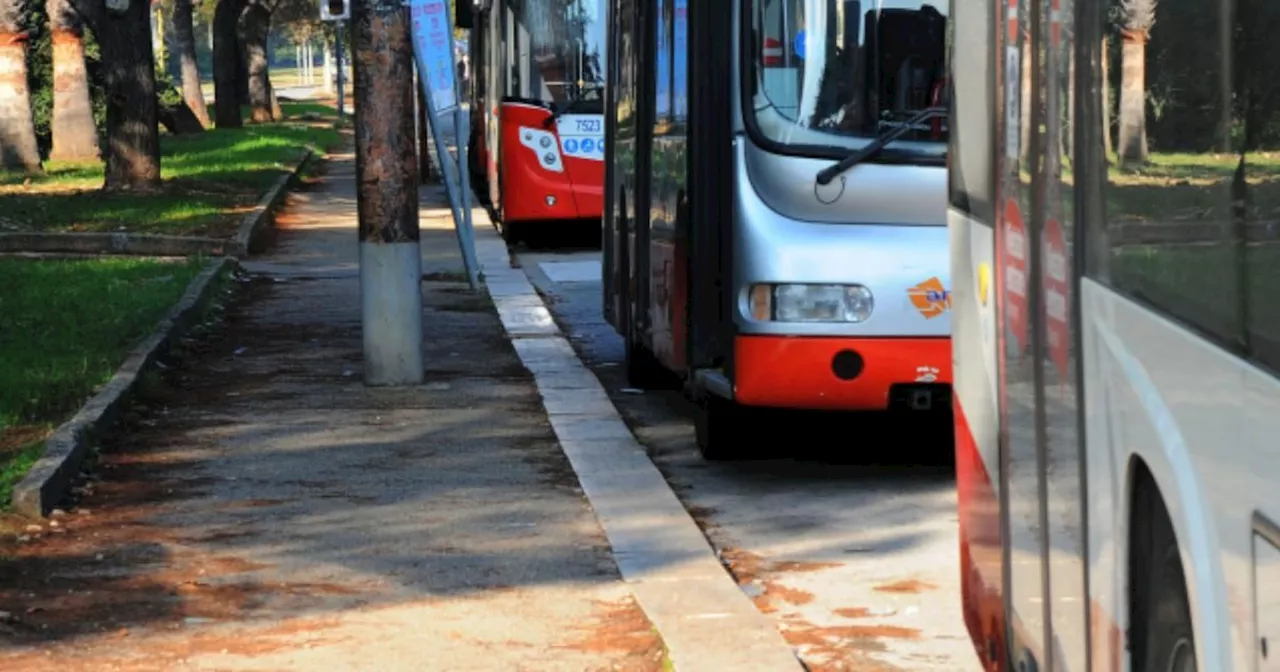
{"x": 264, "y": 510}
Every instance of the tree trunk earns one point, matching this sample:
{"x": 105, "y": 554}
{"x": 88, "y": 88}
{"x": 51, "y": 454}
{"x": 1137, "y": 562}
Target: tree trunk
{"x": 1028, "y": 102}
{"x": 327, "y": 63}
{"x": 254, "y": 27}
{"x": 180, "y": 120}
{"x": 75, "y": 135}
{"x": 1069, "y": 113}
{"x": 1133, "y": 105}
{"x": 226, "y": 49}
{"x": 276, "y": 112}
{"x": 185, "y": 43}
{"x": 133, "y": 138}
{"x": 18, "y": 148}
{"x": 242, "y": 66}
{"x": 1107, "y": 148}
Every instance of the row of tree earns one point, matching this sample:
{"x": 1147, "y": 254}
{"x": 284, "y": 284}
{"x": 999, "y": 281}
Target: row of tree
{"x": 92, "y": 67}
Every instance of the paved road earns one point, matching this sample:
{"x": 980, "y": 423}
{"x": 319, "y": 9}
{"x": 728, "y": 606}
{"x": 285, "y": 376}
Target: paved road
{"x": 857, "y": 562}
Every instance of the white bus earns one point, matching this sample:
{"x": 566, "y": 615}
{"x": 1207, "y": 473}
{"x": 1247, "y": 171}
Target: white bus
{"x": 1115, "y": 337}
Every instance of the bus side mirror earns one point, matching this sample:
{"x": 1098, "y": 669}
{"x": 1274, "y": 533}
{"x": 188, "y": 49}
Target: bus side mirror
{"x": 462, "y": 13}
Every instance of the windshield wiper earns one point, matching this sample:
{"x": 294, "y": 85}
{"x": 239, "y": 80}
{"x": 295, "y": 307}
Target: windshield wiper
{"x": 564, "y": 109}
{"x": 826, "y": 175}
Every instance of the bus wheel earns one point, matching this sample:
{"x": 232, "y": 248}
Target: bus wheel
{"x": 1159, "y": 610}
{"x": 512, "y": 232}
{"x": 718, "y": 426}
{"x": 644, "y": 371}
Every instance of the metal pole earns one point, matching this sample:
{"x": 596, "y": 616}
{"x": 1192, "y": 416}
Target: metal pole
{"x": 462, "y": 125}
{"x": 337, "y": 57}
{"x": 424, "y": 136}
{"x": 458, "y": 201}
{"x": 387, "y": 194}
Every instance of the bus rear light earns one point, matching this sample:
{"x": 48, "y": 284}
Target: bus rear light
{"x": 811, "y": 303}
{"x": 544, "y": 147}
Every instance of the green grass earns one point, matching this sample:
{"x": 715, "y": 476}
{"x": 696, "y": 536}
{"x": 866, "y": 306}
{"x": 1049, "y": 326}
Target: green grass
{"x": 1175, "y": 188}
{"x": 65, "y": 327}
{"x": 1200, "y": 283}
{"x": 14, "y": 464}
{"x": 210, "y": 180}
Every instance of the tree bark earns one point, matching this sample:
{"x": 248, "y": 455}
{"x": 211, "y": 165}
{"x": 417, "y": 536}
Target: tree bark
{"x": 424, "y": 133}
{"x": 226, "y": 59}
{"x": 1133, "y": 99}
{"x": 18, "y": 148}
{"x": 1028, "y": 102}
{"x": 185, "y": 43}
{"x": 1108, "y": 148}
{"x": 75, "y": 135}
{"x": 133, "y": 136}
{"x": 253, "y": 28}
{"x": 386, "y": 160}
{"x": 180, "y": 120}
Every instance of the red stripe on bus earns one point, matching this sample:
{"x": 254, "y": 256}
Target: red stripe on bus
{"x": 981, "y": 558}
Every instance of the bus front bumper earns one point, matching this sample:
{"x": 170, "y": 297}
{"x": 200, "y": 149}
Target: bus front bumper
{"x": 839, "y": 373}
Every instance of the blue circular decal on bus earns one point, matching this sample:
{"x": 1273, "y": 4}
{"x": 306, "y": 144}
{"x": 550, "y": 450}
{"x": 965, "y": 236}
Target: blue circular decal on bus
{"x": 571, "y": 146}
{"x": 588, "y": 146}
{"x": 801, "y": 45}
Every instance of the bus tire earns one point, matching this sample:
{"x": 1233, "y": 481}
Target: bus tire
{"x": 644, "y": 371}
{"x": 513, "y": 232}
{"x": 718, "y": 426}
{"x": 1159, "y": 611}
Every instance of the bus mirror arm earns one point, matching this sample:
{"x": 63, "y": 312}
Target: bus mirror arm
{"x": 826, "y": 175}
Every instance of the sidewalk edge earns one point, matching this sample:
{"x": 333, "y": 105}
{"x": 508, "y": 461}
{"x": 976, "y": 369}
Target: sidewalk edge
{"x": 705, "y": 620}
{"x": 47, "y": 481}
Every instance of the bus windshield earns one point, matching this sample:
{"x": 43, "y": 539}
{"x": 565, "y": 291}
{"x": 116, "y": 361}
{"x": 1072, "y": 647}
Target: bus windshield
{"x": 836, "y": 73}
{"x": 561, "y": 43}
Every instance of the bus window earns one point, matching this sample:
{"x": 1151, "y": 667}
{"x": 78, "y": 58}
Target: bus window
{"x": 566, "y": 41}
{"x": 1171, "y": 239}
{"x": 829, "y": 72}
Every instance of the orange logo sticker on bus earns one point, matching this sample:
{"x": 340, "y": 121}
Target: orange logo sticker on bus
{"x": 930, "y": 298}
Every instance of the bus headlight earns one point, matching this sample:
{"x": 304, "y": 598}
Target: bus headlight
{"x": 811, "y": 303}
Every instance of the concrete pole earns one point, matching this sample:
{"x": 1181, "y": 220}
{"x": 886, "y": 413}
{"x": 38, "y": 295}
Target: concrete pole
{"x": 387, "y": 193}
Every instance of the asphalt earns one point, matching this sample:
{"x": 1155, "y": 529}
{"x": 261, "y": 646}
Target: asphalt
{"x": 845, "y": 532}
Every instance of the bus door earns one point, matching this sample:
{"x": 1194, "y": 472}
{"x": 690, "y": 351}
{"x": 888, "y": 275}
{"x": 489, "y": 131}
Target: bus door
{"x": 1046, "y": 596}
{"x": 628, "y": 142}
{"x": 707, "y": 209}
{"x": 612, "y": 271}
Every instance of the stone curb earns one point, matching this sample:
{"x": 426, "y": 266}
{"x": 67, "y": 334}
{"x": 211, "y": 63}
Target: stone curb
{"x": 257, "y": 220}
{"x": 705, "y": 620}
{"x": 47, "y": 482}
{"x": 158, "y": 245}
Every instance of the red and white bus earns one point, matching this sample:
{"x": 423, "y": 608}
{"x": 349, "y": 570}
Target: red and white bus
{"x": 1115, "y": 336}
{"x": 537, "y": 126}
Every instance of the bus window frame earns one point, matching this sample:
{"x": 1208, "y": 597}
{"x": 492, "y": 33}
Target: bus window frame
{"x": 980, "y": 206}
{"x": 748, "y": 64}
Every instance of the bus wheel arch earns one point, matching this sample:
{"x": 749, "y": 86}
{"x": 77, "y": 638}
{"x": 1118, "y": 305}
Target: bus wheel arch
{"x": 1160, "y": 631}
